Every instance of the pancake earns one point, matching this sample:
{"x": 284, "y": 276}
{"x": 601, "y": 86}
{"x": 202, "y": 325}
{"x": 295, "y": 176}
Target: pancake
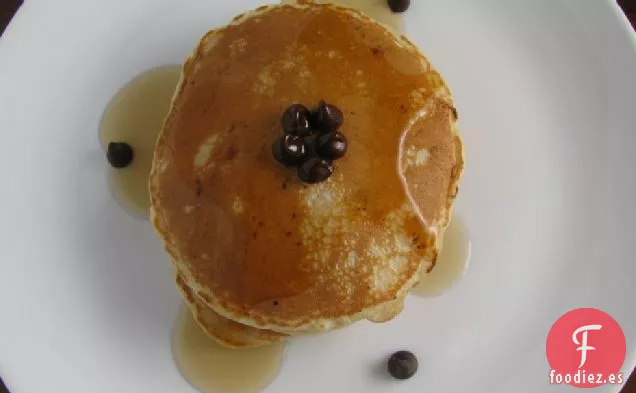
{"x": 257, "y": 245}
{"x": 226, "y": 332}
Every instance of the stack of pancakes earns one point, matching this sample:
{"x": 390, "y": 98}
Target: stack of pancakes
{"x": 261, "y": 256}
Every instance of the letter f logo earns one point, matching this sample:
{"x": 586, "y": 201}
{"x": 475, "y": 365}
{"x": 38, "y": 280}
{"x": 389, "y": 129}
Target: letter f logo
{"x": 583, "y": 344}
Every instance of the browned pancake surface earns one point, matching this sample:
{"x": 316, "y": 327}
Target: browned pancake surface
{"x": 252, "y": 240}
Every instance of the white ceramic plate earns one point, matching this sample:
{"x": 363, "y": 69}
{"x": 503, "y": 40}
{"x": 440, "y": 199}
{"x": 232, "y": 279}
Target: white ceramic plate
{"x": 545, "y": 90}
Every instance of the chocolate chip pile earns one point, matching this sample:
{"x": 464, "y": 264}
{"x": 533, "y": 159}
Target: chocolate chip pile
{"x": 311, "y": 141}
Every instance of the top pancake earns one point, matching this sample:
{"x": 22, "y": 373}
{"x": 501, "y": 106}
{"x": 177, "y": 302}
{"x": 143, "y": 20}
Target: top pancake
{"x": 256, "y": 244}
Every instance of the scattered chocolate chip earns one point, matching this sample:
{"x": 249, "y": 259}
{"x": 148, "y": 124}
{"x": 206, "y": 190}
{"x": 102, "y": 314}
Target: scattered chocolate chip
{"x": 296, "y": 120}
{"x": 315, "y": 170}
{"x": 289, "y": 150}
{"x": 402, "y": 365}
{"x": 332, "y": 145}
{"x": 119, "y": 154}
{"x": 276, "y": 302}
{"x": 328, "y": 117}
{"x": 455, "y": 114}
{"x": 288, "y": 234}
{"x": 399, "y": 5}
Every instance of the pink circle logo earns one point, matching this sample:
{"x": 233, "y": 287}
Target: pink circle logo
{"x": 586, "y": 348}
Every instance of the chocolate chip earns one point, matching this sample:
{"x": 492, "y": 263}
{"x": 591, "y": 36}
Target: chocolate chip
{"x": 315, "y": 170}
{"x": 119, "y": 154}
{"x": 455, "y": 114}
{"x": 295, "y": 120}
{"x": 332, "y": 145}
{"x": 289, "y": 150}
{"x": 402, "y": 365}
{"x": 399, "y": 5}
{"x": 328, "y": 117}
